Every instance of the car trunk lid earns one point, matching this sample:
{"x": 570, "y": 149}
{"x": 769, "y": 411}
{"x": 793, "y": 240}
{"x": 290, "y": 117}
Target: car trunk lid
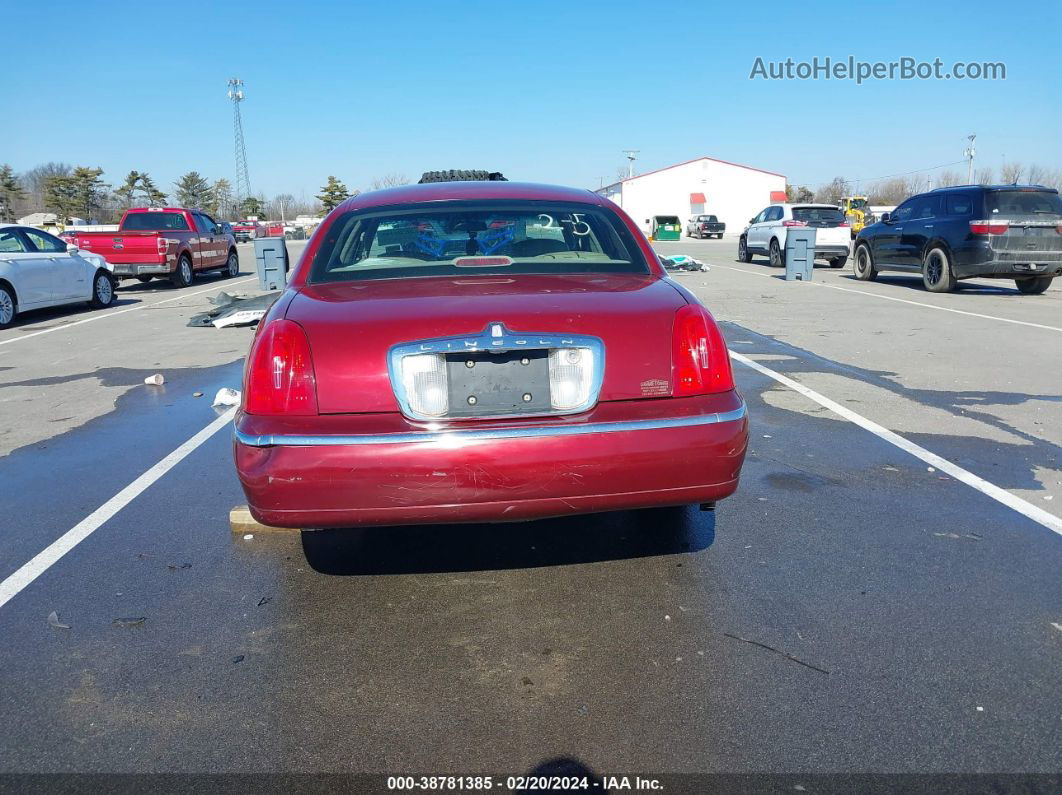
{"x": 352, "y": 326}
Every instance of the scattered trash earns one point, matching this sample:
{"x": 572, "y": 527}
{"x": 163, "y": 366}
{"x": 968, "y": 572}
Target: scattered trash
{"x": 980, "y": 709}
{"x": 891, "y": 469}
{"x": 930, "y": 469}
{"x": 766, "y": 436}
{"x": 583, "y": 710}
{"x": 1049, "y": 497}
{"x": 248, "y": 536}
{"x": 155, "y": 380}
{"x": 234, "y": 310}
{"x": 667, "y": 618}
{"x": 226, "y": 397}
{"x": 1057, "y": 626}
{"x": 785, "y": 654}
{"x": 53, "y": 621}
{"x": 176, "y": 566}
{"x": 972, "y": 536}
{"x": 526, "y": 681}
{"x": 264, "y": 600}
{"x": 681, "y": 262}
{"x": 125, "y": 623}
{"x": 548, "y": 650}
{"x": 237, "y": 659}
{"x": 197, "y": 394}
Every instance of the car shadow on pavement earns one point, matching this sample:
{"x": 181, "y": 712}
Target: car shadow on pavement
{"x": 914, "y": 282}
{"x": 429, "y": 549}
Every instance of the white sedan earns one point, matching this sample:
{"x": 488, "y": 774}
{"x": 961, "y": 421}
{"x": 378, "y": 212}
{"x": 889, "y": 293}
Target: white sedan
{"x": 39, "y": 270}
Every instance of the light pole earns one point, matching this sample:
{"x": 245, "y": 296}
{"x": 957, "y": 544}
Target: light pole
{"x": 630, "y": 153}
{"x": 969, "y": 153}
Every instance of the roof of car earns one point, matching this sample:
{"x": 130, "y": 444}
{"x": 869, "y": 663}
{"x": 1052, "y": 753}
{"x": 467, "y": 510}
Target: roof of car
{"x": 992, "y": 187}
{"x": 447, "y": 191}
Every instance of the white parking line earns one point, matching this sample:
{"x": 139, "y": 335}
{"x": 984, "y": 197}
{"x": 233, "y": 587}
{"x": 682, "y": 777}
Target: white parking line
{"x": 1027, "y": 509}
{"x": 104, "y": 315}
{"x": 900, "y": 300}
{"x": 47, "y": 557}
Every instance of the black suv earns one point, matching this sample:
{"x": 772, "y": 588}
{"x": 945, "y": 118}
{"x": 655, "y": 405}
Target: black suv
{"x": 947, "y": 234}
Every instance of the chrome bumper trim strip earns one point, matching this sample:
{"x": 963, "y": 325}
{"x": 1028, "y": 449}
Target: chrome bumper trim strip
{"x": 486, "y": 434}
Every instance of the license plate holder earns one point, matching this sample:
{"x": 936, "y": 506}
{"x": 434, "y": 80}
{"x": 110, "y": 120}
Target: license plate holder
{"x": 498, "y": 383}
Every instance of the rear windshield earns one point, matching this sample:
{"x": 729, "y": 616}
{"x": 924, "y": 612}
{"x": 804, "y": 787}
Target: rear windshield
{"x": 709, "y": 218}
{"x": 821, "y": 215}
{"x": 153, "y": 222}
{"x": 465, "y": 238}
{"x": 1018, "y": 203}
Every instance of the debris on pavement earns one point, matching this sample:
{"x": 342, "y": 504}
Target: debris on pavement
{"x": 681, "y": 262}
{"x": 1057, "y": 626}
{"x": 53, "y": 621}
{"x": 176, "y": 566}
{"x": 248, "y": 536}
{"x": 155, "y": 380}
{"x": 226, "y": 397}
{"x": 237, "y": 659}
{"x": 197, "y": 394}
{"x": 234, "y": 310}
{"x": 126, "y": 623}
{"x": 264, "y": 600}
{"x": 785, "y": 654}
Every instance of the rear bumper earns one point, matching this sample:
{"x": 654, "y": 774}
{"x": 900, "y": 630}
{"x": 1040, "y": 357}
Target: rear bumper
{"x": 831, "y": 252}
{"x": 138, "y": 269}
{"x": 490, "y": 472}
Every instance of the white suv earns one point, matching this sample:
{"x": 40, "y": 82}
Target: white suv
{"x": 766, "y": 233}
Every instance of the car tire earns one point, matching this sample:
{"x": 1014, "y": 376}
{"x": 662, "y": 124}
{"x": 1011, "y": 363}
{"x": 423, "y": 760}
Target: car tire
{"x": 102, "y": 290}
{"x": 776, "y": 255}
{"x": 143, "y": 279}
{"x": 720, "y": 236}
{"x": 937, "y": 275}
{"x": 8, "y": 306}
{"x": 743, "y": 250}
{"x": 1035, "y": 285}
{"x": 838, "y": 262}
{"x": 232, "y": 266}
{"x": 863, "y": 264}
{"x": 184, "y": 275}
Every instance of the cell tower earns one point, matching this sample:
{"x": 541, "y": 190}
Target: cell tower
{"x": 242, "y": 188}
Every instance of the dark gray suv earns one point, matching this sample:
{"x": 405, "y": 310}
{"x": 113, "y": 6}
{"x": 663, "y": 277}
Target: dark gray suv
{"x": 948, "y": 234}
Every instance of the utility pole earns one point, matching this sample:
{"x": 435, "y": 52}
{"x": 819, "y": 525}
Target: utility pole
{"x": 969, "y": 153}
{"x": 243, "y": 181}
{"x": 630, "y": 153}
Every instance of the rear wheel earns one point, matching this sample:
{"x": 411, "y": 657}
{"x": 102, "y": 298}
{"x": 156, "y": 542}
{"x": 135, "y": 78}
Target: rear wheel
{"x": 936, "y": 272}
{"x": 743, "y": 250}
{"x": 182, "y": 277}
{"x": 232, "y": 267}
{"x": 7, "y": 306}
{"x": 1033, "y": 286}
{"x": 838, "y": 262}
{"x": 776, "y": 255}
{"x": 864, "y": 264}
{"x": 102, "y": 290}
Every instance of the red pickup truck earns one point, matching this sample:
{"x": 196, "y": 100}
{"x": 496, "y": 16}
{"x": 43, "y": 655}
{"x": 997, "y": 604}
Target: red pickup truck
{"x": 164, "y": 241}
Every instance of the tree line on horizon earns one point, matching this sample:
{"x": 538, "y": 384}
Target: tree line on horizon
{"x": 895, "y": 189}
{"x": 81, "y": 192}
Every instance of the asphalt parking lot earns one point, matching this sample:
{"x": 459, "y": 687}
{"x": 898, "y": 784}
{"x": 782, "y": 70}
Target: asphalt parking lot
{"x": 881, "y": 595}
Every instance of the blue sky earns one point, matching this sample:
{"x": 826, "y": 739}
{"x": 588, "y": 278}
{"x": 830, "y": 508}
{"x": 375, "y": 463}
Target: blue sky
{"x": 542, "y": 91}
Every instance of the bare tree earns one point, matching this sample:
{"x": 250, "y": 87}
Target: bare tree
{"x": 391, "y": 180}
{"x": 892, "y": 191}
{"x": 1010, "y": 173}
{"x": 1037, "y": 175}
{"x": 832, "y": 191}
{"x": 35, "y": 182}
{"x": 947, "y": 178}
{"x": 985, "y": 176}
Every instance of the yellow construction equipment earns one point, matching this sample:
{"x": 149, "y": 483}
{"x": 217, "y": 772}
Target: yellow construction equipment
{"x": 855, "y": 209}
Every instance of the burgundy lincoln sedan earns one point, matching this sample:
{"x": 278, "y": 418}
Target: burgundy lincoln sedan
{"x": 483, "y": 352}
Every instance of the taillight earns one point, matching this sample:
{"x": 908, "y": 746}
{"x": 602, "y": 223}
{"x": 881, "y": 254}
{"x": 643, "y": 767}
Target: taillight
{"x": 794, "y": 223}
{"x": 1058, "y": 227}
{"x": 989, "y": 227}
{"x": 700, "y": 363}
{"x": 843, "y": 224}
{"x": 280, "y": 378}
{"x": 163, "y": 246}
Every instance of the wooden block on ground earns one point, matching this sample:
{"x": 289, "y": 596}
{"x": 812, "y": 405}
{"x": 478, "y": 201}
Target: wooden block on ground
{"x": 241, "y": 521}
